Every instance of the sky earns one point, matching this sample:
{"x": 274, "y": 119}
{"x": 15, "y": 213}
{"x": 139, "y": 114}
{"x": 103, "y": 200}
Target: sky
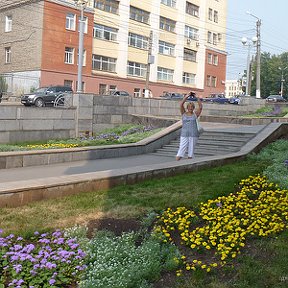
{"x": 273, "y": 31}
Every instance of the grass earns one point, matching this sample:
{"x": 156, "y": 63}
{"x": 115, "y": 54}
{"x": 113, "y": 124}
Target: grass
{"x": 128, "y": 200}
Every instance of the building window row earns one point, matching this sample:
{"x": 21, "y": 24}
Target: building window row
{"x": 104, "y": 32}
{"x": 136, "y": 69}
{"x": 7, "y": 55}
{"x": 212, "y": 38}
{"x": 190, "y": 55}
{"x": 103, "y": 63}
{"x": 8, "y": 23}
{"x": 110, "y": 6}
{"x": 167, "y": 24}
{"x": 191, "y": 33}
{"x": 213, "y": 15}
{"x": 71, "y": 22}
{"x": 139, "y": 15}
{"x": 138, "y": 41}
{"x": 166, "y": 48}
{"x": 211, "y": 81}
{"x": 212, "y": 59}
{"x": 192, "y": 9}
{"x": 188, "y": 78}
{"x": 170, "y": 3}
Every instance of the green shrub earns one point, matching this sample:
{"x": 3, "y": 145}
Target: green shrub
{"x": 116, "y": 262}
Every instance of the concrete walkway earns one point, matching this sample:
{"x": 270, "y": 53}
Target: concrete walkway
{"x": 20, "y": 186}
{"x": 90, "y": 166}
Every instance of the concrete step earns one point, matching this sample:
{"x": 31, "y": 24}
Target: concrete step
{"x": 210, "y": 143}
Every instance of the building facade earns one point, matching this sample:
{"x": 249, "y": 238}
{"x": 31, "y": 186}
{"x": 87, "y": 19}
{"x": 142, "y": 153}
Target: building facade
{"x": 132, "y": 45}
{"x": 233, "y": 88}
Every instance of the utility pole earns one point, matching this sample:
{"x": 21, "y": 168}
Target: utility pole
{"x": 258, "y": 55}
{"x": 282, "y": 79}
{"x": 82, "y": 4}
{"x": 150, "y": 60}
{"x": 258, "y": 59}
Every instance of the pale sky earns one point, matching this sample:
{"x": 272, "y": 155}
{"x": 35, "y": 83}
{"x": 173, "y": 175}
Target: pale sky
{"x": 274, "y": 30}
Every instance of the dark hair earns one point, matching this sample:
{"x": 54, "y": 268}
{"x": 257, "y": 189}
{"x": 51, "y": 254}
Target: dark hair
{"x": 192, "y": 94}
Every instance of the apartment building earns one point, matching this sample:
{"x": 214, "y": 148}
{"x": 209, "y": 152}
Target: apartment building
{"x": 164, "y": 45}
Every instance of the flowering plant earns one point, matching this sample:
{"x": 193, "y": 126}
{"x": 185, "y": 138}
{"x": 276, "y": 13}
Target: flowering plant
{"x": 47, "y": 260}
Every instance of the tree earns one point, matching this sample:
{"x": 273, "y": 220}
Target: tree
{"x": 271, "y": 75}
{"x": 3, "y": 84}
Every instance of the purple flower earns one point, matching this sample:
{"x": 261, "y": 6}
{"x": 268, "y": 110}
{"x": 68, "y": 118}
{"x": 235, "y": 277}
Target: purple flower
{"x": 286, "y": 163}
{"x": 52, "y": 281}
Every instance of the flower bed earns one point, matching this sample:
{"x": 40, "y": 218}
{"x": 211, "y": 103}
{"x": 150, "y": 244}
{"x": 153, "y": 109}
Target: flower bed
{"x": 219, "y": 230}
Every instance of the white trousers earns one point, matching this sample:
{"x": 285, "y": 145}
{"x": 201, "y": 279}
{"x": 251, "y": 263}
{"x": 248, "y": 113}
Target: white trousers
{"x": 187, "y": 142}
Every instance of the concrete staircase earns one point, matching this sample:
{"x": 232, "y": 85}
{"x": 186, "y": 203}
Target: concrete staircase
{"x": 210, "y": 143}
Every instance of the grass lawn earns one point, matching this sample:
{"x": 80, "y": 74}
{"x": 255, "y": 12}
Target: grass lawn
{"x": 128, "y": 200}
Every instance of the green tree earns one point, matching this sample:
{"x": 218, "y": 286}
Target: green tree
{"x": 271, "y": 74}
{"x": 3, "y": 84}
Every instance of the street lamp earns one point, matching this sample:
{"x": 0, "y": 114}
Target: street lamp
{"x": 82, "y": 4}
{"x": 282, "y": 79}
{"x": 258, "y": 55}
{"x": 247, "y": 43}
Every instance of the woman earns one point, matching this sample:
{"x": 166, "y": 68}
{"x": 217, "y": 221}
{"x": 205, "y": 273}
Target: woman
{"x": 189, "y": 132}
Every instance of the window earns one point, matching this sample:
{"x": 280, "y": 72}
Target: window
{"x": 70, "y": 21}
{"x": 166, "y": 48}
{"x": 103, "y": 63}
{"x": 215, "y": 60}
{"x": 165, "y": 74}
{"x": 69, "y": 55}
{"x": 138, "y": 41}
{"x": 190, "y": 55}
{"x": 103, "y": 88}
{"x": 215, "y": 36}
{"x": 212, "y": 59}
{"x": 191, "y": 32}
{"x": 8, "y": 23}
{"x": 167, "y": 24}
{"x": 110, "y": 6}
{"x": 7, "y": 55}
{"x": 188, "y": 78}
{"x": 68, "y": 83}
{"x": 137, "y": 92}
{"x": 136, "y": 69}
{"x": 139, "y": 15}
{"x": 192, "y": 9}
{"x": 104, "y": 32}
{"x": 211, "y": 81}
{"x": 209, "y": 37}
{"x": 170, "y": 3}
{"x": 216, "y": 16}
{"x": 210, "y": 12}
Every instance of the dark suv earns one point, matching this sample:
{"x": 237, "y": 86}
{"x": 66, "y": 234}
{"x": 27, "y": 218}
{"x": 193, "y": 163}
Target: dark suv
{"x": 44, "y": 96}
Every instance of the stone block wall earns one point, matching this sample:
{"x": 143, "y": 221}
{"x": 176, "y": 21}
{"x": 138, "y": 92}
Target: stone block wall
{"x": 19, "y": 123}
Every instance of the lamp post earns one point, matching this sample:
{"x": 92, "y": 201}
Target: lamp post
{"x": 82, "y": 4}
{"x": 247, "y": 43}
{"x": 282, "y": 79}
{"x": 258, "y": 55}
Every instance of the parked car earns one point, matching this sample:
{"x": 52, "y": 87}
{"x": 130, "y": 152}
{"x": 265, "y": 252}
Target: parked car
{"x": 216, "y": 98}
{"x": 172, "y": 96}
{"x": 44, "y": 95}
{"x": 275, "y": 98}
{"x": 234, "y": 100}
{"x": 119, "y": 93}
